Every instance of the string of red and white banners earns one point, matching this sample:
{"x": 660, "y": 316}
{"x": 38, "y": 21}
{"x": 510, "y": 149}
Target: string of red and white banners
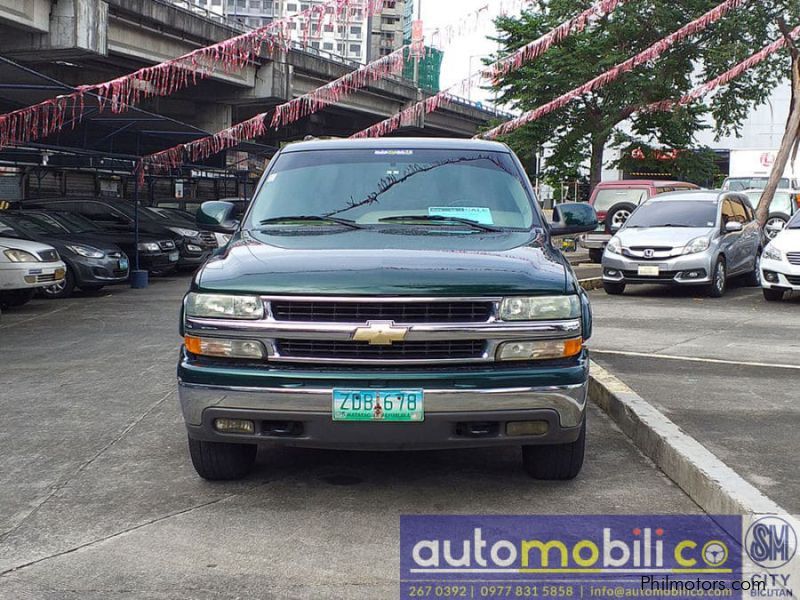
{"x": 42, "y": 119}
{"x": 171, "y": 158}
{"x": 726, "y": 77}
{"x": 648, "y": 55}
{"x": 288, "y": 112}
{"x": 514, "y": 61}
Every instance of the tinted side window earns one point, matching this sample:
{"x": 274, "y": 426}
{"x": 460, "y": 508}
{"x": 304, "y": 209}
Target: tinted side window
{"x": 102, "y": 213}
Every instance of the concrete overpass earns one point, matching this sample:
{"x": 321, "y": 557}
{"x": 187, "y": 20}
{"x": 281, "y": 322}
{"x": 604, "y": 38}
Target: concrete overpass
{"x": 85, "y": 41}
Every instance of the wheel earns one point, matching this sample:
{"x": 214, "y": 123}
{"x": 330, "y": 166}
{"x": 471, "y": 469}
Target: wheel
{"x": 618, "y": 215}
{"x": 555, "y": 461}
{"x": 596, "y": 255}
{"x": 719, "y": 283}
{"x": 773, "y": 294}
{"x": 61, "y": 289}
{"x": 775, "y": 224}
{"x": 217, "y": 461}
{"x": 614, "y": 289}
{"x": 13, "y": 298}
{"x": 754, "y": 279}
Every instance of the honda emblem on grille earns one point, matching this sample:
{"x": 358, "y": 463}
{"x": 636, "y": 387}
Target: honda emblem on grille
{"x": 649, "y": 253}
{"x": 380, "y": 333}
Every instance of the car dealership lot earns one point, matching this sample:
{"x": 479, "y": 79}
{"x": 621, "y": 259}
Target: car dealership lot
{"x": 725, "y": 370}
{"x": 98, "y": 498}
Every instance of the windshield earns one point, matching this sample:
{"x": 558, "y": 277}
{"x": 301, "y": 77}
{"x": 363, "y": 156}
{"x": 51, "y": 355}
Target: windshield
{"x": 371, "y": 187}
{"x": 167, "y": 214}
{"x": 49, "y": 221}
{"x": 781, "y": 202}
{"x": 675, "y": 213}
{"x": 73, "y": 222}
{"x": 740, "y": 184}
{"x": 30, "y": 226}
{"x": 605, "y": 199}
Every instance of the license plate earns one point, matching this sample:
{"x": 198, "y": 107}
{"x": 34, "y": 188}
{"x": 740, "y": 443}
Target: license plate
{"x": 123, "y": 264}
{"x": 649, "y": 271}
{"x": 405, "y": 406}
{"x": 173, "y": 256}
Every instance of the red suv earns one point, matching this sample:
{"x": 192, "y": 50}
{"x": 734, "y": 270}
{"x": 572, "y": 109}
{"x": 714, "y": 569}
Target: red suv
{"x": 614, "y": 202}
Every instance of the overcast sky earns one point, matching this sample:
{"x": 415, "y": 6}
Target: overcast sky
{"x": 456, "y": 66}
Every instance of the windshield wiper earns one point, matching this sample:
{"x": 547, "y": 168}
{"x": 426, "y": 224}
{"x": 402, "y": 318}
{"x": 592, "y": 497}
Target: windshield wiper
{"x": 675, "y": 225}
{"x": 439, "y": 219}
{"x": 311, "y": 219}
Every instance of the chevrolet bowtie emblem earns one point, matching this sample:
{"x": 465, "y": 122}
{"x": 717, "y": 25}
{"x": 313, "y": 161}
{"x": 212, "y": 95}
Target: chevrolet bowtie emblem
{"x": 380, "y": 333}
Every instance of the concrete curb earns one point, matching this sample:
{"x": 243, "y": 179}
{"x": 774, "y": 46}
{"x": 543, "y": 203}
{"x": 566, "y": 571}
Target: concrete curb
{"x": 592, "y": 283}
{"x": 713, "y": 485}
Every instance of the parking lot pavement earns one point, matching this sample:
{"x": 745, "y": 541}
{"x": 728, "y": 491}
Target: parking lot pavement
{"x": 98, "y": 498}
{"x": 692, "y": 357}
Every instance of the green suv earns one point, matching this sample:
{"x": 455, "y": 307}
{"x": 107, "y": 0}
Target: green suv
{"x": 393, "y": 294}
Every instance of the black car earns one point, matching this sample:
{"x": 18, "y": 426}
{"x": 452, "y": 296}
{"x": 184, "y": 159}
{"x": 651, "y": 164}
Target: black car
{"x": 159, "y": 256}
{"x": 91, "y": 262}
{"x": 119, "y": 215}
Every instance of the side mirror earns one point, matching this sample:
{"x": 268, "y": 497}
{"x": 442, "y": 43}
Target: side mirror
{"x": 573, "y": 218}
{"x": 733, "y": 227}
{"x": 217, "y": 216}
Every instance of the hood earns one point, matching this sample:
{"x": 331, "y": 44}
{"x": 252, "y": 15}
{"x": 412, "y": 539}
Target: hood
{"x": 370, "y": 262}
{"x": 674, "y": 237}
{"x": 7, "y": 243}
{"x": 60, "y": 241}
{"x": 787, "y": 240}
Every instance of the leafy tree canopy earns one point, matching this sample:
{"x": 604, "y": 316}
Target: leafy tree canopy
{"x": 582, "y": 130}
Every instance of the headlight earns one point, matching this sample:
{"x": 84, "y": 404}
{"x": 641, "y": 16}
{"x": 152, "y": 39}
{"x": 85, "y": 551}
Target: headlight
{"x": 86, "y": 251}
{"x": 148, "y": 247}
{"x": 20, "y": 256}
{"x": 224, "y": 306}
{"x": 224, "y": 348}
{"x": 700, "y": 244}
{"x": 772, "y": 253}
{"x": 190, "y": 233}
{"x": 614, "y": 246}
{"x": 540, "y": 350}
{"x": 539, "y": 308}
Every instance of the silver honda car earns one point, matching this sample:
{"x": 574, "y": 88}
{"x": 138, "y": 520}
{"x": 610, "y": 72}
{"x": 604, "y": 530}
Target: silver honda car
{"x": 698, "y": 238}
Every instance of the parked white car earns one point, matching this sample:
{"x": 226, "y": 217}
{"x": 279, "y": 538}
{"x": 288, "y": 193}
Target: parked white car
{"x": 26, "y": 266}
{"x": 780, "y": 262}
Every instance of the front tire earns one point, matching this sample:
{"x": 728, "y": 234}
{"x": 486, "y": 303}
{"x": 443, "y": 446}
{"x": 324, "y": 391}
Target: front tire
{"x": 596, "y": 255}
{"x": 62, "y": 289}
{"x": 773, "y": 294}
{"x": 219, "y": 461}
{"x": 613, "y": 288}
{"x": 555, "y": 462}
{"x": 719, "y": 282}
{"x": 754, "y": 279}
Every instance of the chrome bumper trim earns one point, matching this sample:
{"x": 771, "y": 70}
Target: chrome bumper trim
{"x": 568, "y": 401}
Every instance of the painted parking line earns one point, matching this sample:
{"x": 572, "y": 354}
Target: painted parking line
{"x": 716, "y": 361}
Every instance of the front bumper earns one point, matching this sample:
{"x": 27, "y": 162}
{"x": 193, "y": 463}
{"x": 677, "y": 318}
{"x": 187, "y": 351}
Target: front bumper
{"x": 100, "y": 271}
{"x": 462, "y": 408}
{"x": 14, "y": 276}
{"x": 788, "y": 276}
{"x": 672, "y": 271}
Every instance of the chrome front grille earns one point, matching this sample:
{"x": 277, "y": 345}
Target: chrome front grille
{"x": 48, "y": 255}
{"x": 793, "y": 258}
{"x": 333, "y": 350}
{"x": 363, "y": 332}
{"x": 399, "y": 312}
{"x": 46, "y": 278}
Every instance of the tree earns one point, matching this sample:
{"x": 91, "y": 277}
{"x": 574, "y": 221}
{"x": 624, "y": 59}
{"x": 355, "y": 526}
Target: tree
{"x": 582, "y": 130}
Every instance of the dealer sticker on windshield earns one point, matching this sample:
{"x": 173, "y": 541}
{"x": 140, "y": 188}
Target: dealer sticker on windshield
{"x": 479, "y": 214}
{"x": 379, "y": 405}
